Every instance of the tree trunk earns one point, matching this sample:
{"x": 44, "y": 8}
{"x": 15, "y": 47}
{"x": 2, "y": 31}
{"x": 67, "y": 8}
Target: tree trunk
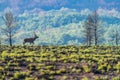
{"x": 116, "y": 40}
{"x": 10, "y": 38}
{"x": 96, "y": 37}
{"x": 10, "y": 41}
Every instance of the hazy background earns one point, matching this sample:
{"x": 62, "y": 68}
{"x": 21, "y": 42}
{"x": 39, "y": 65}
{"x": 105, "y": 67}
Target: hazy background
{"x": 60, "y": 21}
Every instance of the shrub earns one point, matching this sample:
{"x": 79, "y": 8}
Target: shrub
{"x": 19, "y": 75}
{"x": 86, "y": 68}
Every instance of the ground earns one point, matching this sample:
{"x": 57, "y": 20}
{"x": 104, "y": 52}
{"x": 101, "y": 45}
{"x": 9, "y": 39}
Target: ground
{"x": 59, "y": 63}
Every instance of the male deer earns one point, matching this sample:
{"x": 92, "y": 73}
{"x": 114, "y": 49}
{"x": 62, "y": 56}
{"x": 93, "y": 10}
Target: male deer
{"x": 30, "y": 40}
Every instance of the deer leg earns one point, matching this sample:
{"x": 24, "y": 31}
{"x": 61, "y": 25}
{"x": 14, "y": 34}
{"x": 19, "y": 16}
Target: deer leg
{"x": 33, "y": 42}
{"x": 24, "y": 43}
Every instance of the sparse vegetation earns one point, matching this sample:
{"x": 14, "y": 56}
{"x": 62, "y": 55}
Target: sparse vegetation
{"x": 60, "y": 62}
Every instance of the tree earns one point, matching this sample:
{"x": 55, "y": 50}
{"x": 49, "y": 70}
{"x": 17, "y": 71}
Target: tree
{"x": 88, "y": 31}
{"x": 10, "y": 23}
{"x": 116, "y": 37}
{"x": 112, "y": 34}
{"x": 92, "y": 29}
{"x": 95, "y": 25}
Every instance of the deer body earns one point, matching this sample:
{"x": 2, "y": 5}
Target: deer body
{"x": 30, "y": 40}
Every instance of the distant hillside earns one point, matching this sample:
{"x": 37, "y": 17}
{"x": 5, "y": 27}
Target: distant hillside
{"x": 64, "y": 26}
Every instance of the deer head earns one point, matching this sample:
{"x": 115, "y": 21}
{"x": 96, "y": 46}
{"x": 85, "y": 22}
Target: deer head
{"x": 35, "y": 36}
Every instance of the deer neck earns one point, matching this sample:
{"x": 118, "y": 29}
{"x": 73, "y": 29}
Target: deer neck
{"x": 34, "y": 38}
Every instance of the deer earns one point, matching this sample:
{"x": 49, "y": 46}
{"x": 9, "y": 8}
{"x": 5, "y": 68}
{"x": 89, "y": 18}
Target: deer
{"x": 30, "y": 40}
